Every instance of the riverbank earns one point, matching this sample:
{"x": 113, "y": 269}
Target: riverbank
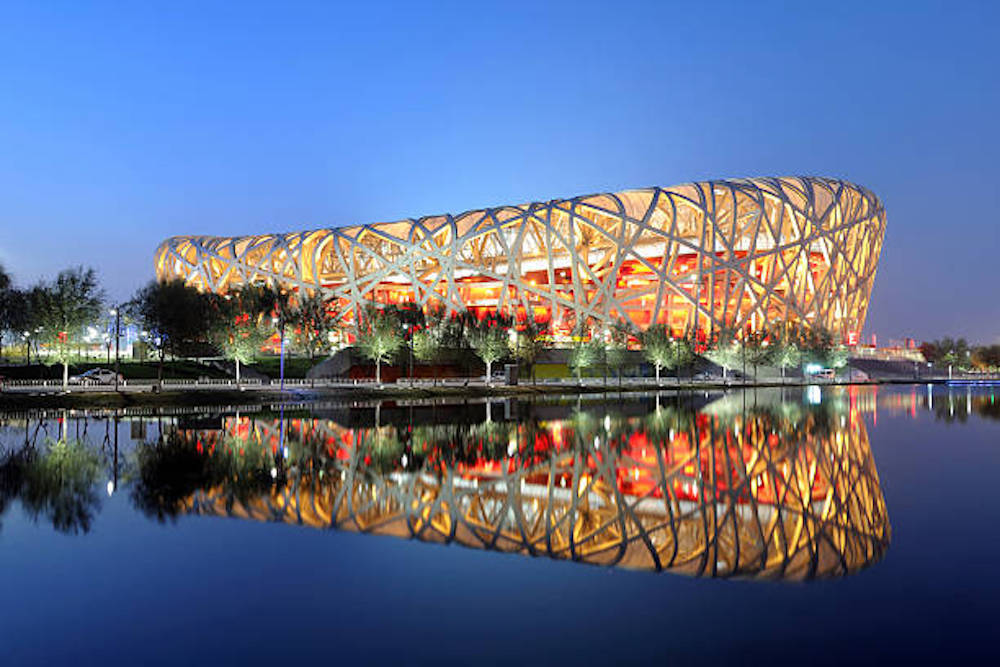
{"x": 20, "y": 398}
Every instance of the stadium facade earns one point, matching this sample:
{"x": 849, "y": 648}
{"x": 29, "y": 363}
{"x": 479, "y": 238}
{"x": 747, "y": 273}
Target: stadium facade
{"x": 734, "y": 254}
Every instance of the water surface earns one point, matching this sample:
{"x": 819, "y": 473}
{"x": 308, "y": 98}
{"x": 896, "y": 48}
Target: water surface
{"x": 795, "y": 526}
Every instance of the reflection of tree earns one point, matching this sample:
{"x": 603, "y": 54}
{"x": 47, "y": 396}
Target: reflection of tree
{"x": 60, "y": 484}
{"x": 666, "y": 420}
{"x": 170, "y": 472}
{"x": 13, "y": 468}
{"x": 957, "y": 408}
{"x": 445, "y": 445}
{"x": 385, "y": 448}
{"x": 987, "y": 407}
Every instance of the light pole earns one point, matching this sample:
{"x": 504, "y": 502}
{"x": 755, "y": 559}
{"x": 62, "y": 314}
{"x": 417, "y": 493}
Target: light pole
{"x": 408, "y": 334}
{"x": 743, "y": 347}
{"x": 116, "y": 312}
{"x": 512, "y": 343}
{"x": 281, "y": 357}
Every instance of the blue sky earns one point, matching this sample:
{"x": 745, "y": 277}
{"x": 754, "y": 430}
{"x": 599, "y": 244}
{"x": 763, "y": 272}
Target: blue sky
{"x": 124, "y": 123}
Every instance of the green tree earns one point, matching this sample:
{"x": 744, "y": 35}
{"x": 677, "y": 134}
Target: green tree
{"x": 379, "y": 335}
{"x": 276, "y": 308}
{"x": 986, "y": 357}
{"x": 430, "y": 342}
{"x": 584, "y": 353}
{"x": 784, "y": 349}
{"x": 5, "y": 311}
{"x": 658, "y": 347}
{"x": 820, "y": 348}
{"x": 758, "y": 349}
{"x": 489, "y": 339}
{"x": 176, "y": 316}
{"x": 13, "y": 309}
{"x": 616, "y": 348}
{"x": 683, "y": 350}
{"x": 238, "y": 329}
{"x": 725, "y": 350}
{"x": 529, "y": 342}
{"x": 426, "y": 345}
{"x": 314, "y": 320}
{"x": 62, "y": 308}
{"x": 948, "y": 351}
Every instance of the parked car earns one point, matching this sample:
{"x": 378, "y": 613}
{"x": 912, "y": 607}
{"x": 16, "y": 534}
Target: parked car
{"x": 96, "y": 376}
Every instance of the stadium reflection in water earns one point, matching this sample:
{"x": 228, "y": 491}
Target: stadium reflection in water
{"x": 765, "y": 490}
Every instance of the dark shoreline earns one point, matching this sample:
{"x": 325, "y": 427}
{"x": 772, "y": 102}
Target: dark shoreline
{"x": 253, "y": 396}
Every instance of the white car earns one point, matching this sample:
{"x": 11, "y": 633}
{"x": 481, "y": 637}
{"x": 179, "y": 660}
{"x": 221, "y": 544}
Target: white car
{"x": 96, "y": 376}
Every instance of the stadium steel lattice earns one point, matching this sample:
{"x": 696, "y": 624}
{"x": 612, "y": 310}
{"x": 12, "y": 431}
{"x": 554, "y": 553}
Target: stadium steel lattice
{"x": 750, "y": 494}
{"x": 704, "y": 256}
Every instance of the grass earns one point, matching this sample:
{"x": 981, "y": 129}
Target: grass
{"x": 295, "y": 367}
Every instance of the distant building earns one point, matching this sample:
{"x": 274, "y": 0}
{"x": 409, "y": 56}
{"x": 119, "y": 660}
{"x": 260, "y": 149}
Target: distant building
{"x": 736, "y": 254}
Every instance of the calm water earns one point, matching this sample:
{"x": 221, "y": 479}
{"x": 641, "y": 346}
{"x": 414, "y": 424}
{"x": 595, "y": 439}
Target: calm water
{"x": 813, "y": 526}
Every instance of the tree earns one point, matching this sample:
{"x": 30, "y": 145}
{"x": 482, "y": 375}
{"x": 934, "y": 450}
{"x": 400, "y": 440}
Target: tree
{"x": 725, "y": 350}
{"x": 237, "y": 324}
{"x": 426, "y": 346}
{"x": 529, "y": 342}
{"x": 5, "y": 310}
{"x": 584, "y": 353}
{"x": 489, "y": 339}
{"x": 615, "y": 349}
{"x": 758, "y": 349}
{"x": 986, "y": 357}
{"x": 820, "y": 347}
{"x": 379, "y": 335}
{"x": 62, "y": 308}
{"x": 658, "y": 347}
{"x": 175, "y": 314}
{"x": 13, "y": 308}
{"x": 430, "y": 342}
{"x": 276, "y": 310}
{"x": 784, "y": 349}
{"x": 948, "y": 351}
{"x": 683, "y": 350}
{"x": 314, "y": 319}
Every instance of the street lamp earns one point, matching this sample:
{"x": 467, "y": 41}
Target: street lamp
{"x": 116, "y": 313}
{"x": 281, "y": 359}
{"x": 408, "y": 335}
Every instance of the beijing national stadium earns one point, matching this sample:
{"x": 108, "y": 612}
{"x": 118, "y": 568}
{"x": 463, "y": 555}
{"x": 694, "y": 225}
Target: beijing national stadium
{"x": 740, "y": 254}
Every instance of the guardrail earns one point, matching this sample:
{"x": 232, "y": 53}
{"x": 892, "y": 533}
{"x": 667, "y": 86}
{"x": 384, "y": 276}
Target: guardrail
{"x": 208, "y": 384}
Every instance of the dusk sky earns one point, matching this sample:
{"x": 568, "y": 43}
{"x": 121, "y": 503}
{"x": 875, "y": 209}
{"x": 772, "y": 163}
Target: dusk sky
{"x": 122, "y": 124}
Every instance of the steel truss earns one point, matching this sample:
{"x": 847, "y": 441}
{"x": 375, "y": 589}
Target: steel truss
{"x": 709, "y": 255}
